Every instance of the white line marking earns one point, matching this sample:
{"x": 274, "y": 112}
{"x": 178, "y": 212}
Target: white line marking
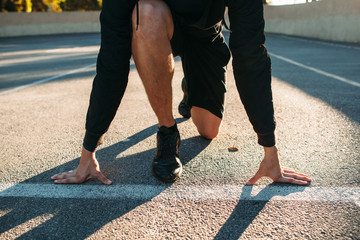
{"x": 322, "y": 43}
{"x": 52, "y": 78}
{"x": 47, "y": 79}
{"x": 37, "y": 59}
{"x": 55, "y": 50}
{"x": 356, "y": 84}
{"x": 143, "y": 192}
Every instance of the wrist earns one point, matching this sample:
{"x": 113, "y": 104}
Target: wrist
{"x": 270, "y": 151}
{"x": 86, "y": 154}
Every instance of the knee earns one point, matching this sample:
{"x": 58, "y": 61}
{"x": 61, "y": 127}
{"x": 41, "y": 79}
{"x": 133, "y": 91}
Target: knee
{"x": 155, "y": 20}
{"x": 206, "y": 123}
{"x": 208, "y": 132}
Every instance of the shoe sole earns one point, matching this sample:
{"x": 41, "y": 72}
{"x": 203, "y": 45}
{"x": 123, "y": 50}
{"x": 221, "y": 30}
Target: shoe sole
{"x": 171, "y": 180}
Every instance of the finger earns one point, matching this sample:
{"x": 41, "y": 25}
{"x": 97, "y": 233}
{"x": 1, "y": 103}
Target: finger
{"x": 297, "y": 176}
{"x": 62, "y": 175}
{"x": 291, "y": 171}
{"x": 56, "y": 176}
{"x": 288, "y": 169}
{"x": 254, "y": 179}
{"x": 104, "y": 179}
{"x": 68, "y": 180}
{"x": 291, "y": 180}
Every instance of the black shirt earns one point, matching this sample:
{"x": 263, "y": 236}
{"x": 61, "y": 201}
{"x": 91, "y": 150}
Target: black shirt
{"x": 191, "y": 9}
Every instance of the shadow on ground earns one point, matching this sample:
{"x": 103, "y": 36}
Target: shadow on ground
{"x": 79, "y": 218}
{"x": 247, "y": 210}
{"x": 342, "y": 97}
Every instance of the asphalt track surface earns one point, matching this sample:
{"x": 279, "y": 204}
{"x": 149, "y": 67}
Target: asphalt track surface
{"x": 45, "y": 82}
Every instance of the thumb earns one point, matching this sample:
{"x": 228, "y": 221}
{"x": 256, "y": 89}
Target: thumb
{"x": 104, "y": 179}
{"x": 254, "y": 179}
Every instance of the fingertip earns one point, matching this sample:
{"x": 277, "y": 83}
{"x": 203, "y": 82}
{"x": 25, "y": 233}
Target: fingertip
{"x": 249, "y": 182}
{"x": 307, "y": 179}
{"x": 60, "y": 181}
{"x": 304, "y": 183}
{"x": 105, "y": 181}
{"x": 253, "y": 179}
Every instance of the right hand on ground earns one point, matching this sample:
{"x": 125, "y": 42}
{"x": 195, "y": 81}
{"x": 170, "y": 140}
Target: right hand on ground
{"x": 88, "y": 169}
{"x": 270, "y": 167}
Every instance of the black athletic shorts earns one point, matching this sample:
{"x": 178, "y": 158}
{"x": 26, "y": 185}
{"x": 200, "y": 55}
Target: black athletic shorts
{"x": 204, "y": 55}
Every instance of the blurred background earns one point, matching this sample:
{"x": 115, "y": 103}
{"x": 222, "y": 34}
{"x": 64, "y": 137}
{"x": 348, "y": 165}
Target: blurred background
{"x": 49, "y": 5}
{"x": 85, "y": 5}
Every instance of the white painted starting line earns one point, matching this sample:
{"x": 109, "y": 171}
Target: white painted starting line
{"x": 142, "y": 192}
{"x": 336, "y": 77}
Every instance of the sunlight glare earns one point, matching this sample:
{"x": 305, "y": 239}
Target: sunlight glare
{"x": 25, "y": 227}
{"x": 285, "y": 2}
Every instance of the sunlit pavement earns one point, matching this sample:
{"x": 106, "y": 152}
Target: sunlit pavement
{"x": 45, "y": 84}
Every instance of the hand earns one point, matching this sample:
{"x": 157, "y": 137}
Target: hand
{"x": 88, "y": 169}
{"x": 270, "y": 167}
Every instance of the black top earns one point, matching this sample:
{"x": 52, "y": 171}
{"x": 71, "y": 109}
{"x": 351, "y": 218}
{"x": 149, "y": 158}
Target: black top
{"x": 190, "y": 9}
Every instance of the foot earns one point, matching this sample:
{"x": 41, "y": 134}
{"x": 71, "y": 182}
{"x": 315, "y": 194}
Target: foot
{"x": 270, "y": 167}
{"x": 184, "y": 108}
{"x": 166, "y": 165}
{"x": 88, "y": 169}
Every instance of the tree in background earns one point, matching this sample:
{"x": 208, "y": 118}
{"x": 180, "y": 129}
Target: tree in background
{"x": 49, "y": 5}
{"x": 39, "y": 6}
{"x": 82, "y": 5}
{"x": 15, "y": 5}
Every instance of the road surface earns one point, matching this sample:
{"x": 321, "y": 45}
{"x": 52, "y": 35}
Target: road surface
{"x": 45, "y": 82}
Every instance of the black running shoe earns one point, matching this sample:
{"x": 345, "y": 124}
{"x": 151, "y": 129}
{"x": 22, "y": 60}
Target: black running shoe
{"x": 184, "y": 108}
{"x": 166, "y": 165}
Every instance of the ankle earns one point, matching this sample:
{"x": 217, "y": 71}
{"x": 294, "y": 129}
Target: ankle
{"x": 173, "y": 127}
{"x": 168, "y": 124}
